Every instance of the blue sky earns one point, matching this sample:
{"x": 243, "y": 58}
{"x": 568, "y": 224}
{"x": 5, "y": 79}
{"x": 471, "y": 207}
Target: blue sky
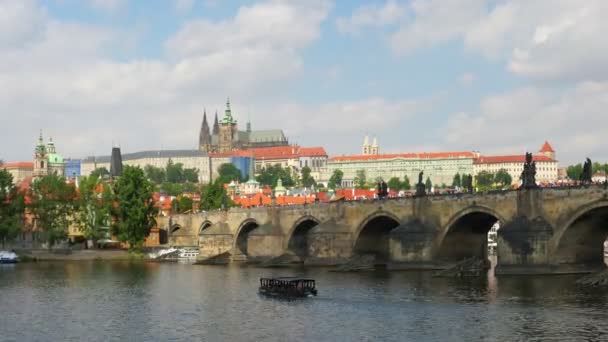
{"x": 497, "y": 76}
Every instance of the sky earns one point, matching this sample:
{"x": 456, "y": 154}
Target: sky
{"x": 495, "y": 76}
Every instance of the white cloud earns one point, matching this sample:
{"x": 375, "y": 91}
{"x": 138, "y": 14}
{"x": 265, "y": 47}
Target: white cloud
{"x": 108, "y": 5}
{"x": 370, "y": 16}
{"x": 434, "y": 22}
{"x": 61, "y": 77}
{"x": 467, "y": 79}
{"x": 573, "y": 120}
{"x": 184, "y": 5}
{"x": 540, "y": 40}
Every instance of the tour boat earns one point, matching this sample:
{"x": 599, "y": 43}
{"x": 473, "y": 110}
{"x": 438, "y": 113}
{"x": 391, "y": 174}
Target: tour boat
{"x": 8, "y": 258}
{"x": 187, "y": 255}
{"x": 287, "y": 287}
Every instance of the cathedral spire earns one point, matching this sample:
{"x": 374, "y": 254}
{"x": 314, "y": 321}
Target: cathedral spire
{"x": 204, "y": 138}
{"x": 216, "y": 125}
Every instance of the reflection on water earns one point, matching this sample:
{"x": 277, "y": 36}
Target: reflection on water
{"x": 122, "y": 301}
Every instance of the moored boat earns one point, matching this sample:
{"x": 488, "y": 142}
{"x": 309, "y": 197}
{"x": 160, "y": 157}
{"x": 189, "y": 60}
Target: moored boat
{"x": 288, "y": 287}
{"x": 8, "y": 257}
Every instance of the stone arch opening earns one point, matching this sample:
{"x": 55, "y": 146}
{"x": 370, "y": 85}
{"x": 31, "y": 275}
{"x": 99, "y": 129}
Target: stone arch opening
{"x": 243, "y": 236}
{"x": 175, "y": 228}
{"x": 583, "y": 241}
{"x": 298, "y": 241}
{"x": 472, "y": 235}
{"x": 204, "y": 226}
{"x": 374, "y": 238}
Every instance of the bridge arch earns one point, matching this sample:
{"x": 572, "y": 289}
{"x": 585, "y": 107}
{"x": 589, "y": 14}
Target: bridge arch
{"x": 242, "y": 235}
{"x": 297, "y": 241}
{"x": 372, "y": 235}
{"x": 466, "y": 234}
{"x": 580, "y": 239}
{"x": 206, "y": 224}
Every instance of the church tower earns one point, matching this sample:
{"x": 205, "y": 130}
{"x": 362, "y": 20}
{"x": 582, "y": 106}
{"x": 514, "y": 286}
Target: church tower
{"x": 366, "y": 147}
{"x": 40, "y": 159}
{"x": 375, "y": 148}
{"x": 204, "y": 137}
{"x": 227, "y": 130}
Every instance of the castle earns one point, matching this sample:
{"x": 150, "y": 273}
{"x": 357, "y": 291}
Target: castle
{"x": 225, "y": 136}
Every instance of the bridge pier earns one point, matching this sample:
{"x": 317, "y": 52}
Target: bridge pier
{"x": 411, "y": 246}
{"x": 329, "y": 243}
{"x": 265, "y": 242}
{"x": 523, "y": 247}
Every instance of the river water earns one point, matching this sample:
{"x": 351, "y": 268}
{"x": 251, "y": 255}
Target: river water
{"x": 137, "y": 301}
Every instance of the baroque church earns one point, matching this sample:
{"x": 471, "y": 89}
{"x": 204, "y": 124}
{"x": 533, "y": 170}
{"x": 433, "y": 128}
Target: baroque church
{"x": 46, "y": 159}
{"x": 225, "y": 136}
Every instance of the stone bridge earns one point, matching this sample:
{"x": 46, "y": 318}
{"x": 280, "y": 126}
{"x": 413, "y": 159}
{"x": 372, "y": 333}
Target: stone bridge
{"x": 549, "y": 230}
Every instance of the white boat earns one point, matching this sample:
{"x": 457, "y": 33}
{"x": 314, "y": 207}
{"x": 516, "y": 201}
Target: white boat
{"x": 162, "y": 253}
{"x": 187, "y": 254}
{"x": 8, "y": 257}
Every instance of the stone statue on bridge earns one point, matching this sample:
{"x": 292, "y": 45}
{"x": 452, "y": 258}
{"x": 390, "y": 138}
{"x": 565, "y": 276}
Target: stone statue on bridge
{"x": 528, "y": 175}
{"x": 382, "y": 189}
{"x": 420, "y": 186}
{"x": 587, "y": 172}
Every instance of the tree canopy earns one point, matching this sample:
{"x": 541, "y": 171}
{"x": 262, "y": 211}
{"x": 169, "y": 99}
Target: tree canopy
{"x": 228, "y": 173}
{"x": 100, "y": 172}
{"x": 135, "y": 215}
{"x": 12, "y": 207}
{"x": 53, "y": 205}
{"x": 360, "y": 179}
{"x": 336, "y": 179}
{"x": 214, "y": 196}
{"x": 270, "y": 175}
{"x": 457, "y": 181}
{"x": 503, "y": 178}
{"x": 95, "y": 205}
{"x": 484, "y": 179}
{"x": 306, "y": 179}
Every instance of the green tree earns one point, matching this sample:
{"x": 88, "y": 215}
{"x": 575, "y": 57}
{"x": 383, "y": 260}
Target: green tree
{"x": 175, "y": 172}
{"x": 53, "y": 204}
{"x": 12, "y": 207}
{"x": 100, "y": 172}
{"x": 155, "y": 174}
{"x": 228, "y": 173}
{"x": 428, "y": 184}
{"x": 270, "y": 175}
{"x": 503, "y": 178}
{"x": 307, "y": 180}
{"x": 214, "y": 196}
{"x": 406, "y": 183}
{"x": 574, "y": 172}
{"x": 485, "y": 179}
{"x": 190, "y": 188}
{"x": 394, "y": 183}
{"x": 172, "y": 189}
{"x": 94, "y": 208}
{"x": 360, "y": 179}
{"x": 135, "y": 215}
{"x": 191, "y": 175}
{"x": 336, "y": 179}
{"x": 457, "y": 182}
{"x": 182, "y": 204}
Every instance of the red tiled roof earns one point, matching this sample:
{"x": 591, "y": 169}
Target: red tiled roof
{"x": 521, "y": 158}
{"x": 279, "y": 152}
{"x": 15, "y": 165}
{"x": 546, "y": 148}
{"x": 424, "y": 155}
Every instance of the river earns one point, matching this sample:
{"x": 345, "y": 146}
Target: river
{"x": 137, "y": 301}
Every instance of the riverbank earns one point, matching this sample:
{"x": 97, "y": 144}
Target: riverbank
{"x": 76, "y": 255}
